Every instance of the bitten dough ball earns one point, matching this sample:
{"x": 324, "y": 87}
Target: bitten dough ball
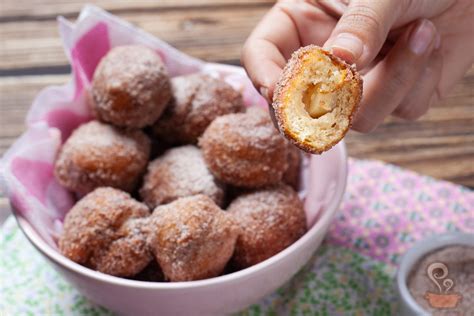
{"x": 180, "y": 172}
{"x": 197, "y": 99}
{"x": 270, "y": 220}
{"x": 192, "y": 238}
{"x": 97, "y": 154}
{"x": 245, "y": 149}
{"x": 107, "y": 231}
{"x": 130, "y": 87}
{"x": 316, "y": 98}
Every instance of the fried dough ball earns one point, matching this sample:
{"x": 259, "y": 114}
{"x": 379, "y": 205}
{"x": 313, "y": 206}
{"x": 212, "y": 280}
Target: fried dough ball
{"x": 99, "y": 155}
{"x": 270, "y": 220}
{"x": 292, "y": 173}
{"x": 130, "y": 87}
{"x": 180, "y": 172}
{"x": 245, "y": 149}
{"x": 192, "y": 238}
{"x": 197, "y": 100}
{"x": 316, "y": 98}
{"x": 107, "y": 231}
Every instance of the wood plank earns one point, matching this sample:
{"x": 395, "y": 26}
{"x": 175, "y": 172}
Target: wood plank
{"x": 16, "y": 96}
{"x": 49, "y": 9}
{"x": 214, "y": 35}
{"x": 440, "y": 144}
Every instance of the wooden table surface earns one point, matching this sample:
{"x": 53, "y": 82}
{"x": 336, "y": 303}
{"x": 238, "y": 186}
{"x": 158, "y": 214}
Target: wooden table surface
{"x": 440, "y": 144}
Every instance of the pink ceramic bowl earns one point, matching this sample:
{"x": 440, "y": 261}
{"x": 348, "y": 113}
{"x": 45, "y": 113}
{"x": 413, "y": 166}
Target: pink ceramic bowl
{"x": 326, "y": 179}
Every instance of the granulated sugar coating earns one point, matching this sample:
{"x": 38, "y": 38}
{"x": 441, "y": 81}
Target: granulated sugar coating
{"x": 180, "y": 172}
{"x": 270, "y": 220}
{"x": 128, "y": 254}
{"x": 245, "y": 149}
{"x": 130, "y": 87}
{"x": 192, "y": 238}
{"x": 197, "y": 100}
{"x": 106, "y": 231}
{"x": 98, "y": 154}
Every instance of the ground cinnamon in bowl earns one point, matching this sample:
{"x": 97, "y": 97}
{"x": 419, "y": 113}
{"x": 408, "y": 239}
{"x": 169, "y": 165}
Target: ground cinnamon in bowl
{"x": 442, "y": 282}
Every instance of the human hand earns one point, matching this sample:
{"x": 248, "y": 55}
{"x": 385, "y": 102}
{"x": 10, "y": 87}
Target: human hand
{"x": 410, "y": 52}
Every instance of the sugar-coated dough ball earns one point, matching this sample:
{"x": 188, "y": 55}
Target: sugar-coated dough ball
{"x": 245, "y": 149}
{"x": 130, "y": 87}
{"x": 180, "y": 172}
{"x": 270, "y": 219}
{"x": 192, "y": 238}
{"x": 107, "y": 231}
{"x": 197, "y": 99}
{"x": 98, "y": 154}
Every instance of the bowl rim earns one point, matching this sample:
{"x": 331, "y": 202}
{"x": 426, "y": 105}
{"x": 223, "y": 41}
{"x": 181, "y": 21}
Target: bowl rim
{"x": 418, "y": 251}
{"x": 322, "y": 221}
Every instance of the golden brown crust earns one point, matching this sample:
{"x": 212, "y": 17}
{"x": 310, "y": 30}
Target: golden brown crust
{"x": 291, "y": 71}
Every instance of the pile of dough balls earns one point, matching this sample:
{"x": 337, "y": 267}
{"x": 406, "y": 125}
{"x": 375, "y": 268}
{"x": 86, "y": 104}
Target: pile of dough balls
{"x": 220, "y": 196}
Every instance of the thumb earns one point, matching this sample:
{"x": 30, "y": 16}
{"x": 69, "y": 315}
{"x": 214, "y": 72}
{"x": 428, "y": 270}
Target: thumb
{"x": 362, "y": 30}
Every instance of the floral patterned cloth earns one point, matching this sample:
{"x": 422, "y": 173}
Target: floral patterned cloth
{"x": 385, "y": 210}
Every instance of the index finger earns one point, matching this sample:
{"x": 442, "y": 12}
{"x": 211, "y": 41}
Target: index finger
{"x": 264, "y": 54}
{"x": 284, "y": 29}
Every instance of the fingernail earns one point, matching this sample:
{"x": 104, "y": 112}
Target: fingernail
{"x": 437, "y": 41}
{"x": 421, "y": 37}
{"x": 264, "y": 93}
{"x": 348, "y": 46}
